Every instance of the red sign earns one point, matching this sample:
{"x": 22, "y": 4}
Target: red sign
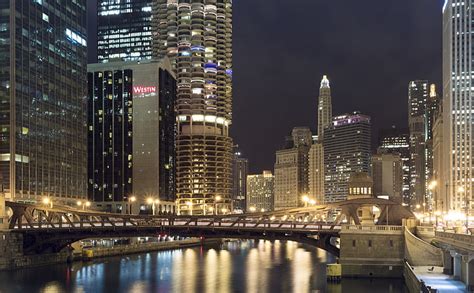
{"x": 144, "y": 89}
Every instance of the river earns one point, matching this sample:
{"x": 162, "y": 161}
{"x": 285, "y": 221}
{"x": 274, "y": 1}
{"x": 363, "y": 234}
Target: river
{"x": 236, "y": 266}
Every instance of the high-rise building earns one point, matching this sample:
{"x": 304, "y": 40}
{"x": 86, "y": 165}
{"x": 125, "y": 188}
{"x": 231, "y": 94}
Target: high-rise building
{"x": 397, "y": 141}
{"x": 324, "y": 107}
{"x": 458, "y": 104}
{"x": 124, "y": 30}
{"x": 260, "y": 192}
{"x": 291, "y": 170}
{"x": 316, "y": 153}
{"x": 131, "y": 133}
{"x": 387, "y": 174}
{"x": 440, "y": 164}
{"x": 197, "y": 36}
{"x": 346, "y": 151}
{"x": 417, "y": 99}
{"x": 316, "y": 172}
{"x": 240, "y": 170}
{"x": 422, "y": 102}
{"x": 43, "y": 61}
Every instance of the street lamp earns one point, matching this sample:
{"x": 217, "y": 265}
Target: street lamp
{"x": 217, "y": 198}
{"x": 190, "y": 207}
{"x": 131, "y": 200}
{"x": 48, "y": 201}
{"x": 252, "y": 209}
{"x": 461, "y": 189}
{"x": 152, "y": 201}
{"x": 312, "y": 202}
{"x": 84, "y": 204}
{"x": 305, "y": 200}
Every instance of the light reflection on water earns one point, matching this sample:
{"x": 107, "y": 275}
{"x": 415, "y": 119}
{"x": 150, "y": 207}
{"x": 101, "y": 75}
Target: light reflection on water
{"x": 237, "y": 266}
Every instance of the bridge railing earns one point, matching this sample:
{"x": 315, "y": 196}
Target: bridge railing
{"x": 371, "y": 228}
{"x": 456, "y": 238}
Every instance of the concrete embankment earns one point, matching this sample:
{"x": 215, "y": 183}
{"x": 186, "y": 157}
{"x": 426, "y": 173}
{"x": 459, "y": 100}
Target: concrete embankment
{"x": 98, "y": 252}
{"x": 12, "y": 256}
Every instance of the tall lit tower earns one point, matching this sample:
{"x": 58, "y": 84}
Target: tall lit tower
{"x": 316, "y": 153}
{"x": 324, "y": 107}
{"x": 458, "y": 102}
{"x": 197, "y": 36}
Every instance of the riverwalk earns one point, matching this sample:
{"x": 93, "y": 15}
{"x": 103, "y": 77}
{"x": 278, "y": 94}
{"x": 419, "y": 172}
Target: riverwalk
{"x": 434, "y": 278}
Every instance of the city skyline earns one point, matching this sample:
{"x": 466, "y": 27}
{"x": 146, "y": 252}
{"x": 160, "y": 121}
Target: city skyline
{"x": 353, "y": 90}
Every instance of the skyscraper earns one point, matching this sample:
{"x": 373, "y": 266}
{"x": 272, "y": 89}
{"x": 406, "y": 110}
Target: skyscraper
{"x": 458, "y": 106}
{"x": 316, "y": 153}
{"x": 387, "y": 174}
{"x": 417, "y": 100}
{"x": 324, "y": 107}
{"x": 260, "y": 192}
{"x": 131, "y": 129}
{"x": 124, "y": 30}
{"x": 423, "y": 103}
{"x": 197, "y": 36}
{"x": 43, "y": 60}
{"x": 240, "y": 170}
{"x": 346, "y": 151}
{"x": 397, "y": 141}
{"x": 291, "y": 170}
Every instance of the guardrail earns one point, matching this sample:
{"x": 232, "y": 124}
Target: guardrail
{"x": 372, "y": 228}
{"x": 456, "y": 238}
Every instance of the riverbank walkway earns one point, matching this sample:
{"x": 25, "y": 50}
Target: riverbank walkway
{"x": 439, "y": 281}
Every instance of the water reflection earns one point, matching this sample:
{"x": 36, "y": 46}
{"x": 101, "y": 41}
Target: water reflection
{"x": 247, "y": 266}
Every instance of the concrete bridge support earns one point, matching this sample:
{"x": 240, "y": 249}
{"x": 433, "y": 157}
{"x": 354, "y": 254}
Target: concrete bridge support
{"x": 3, "y": 214}
{"x": 470, "y": 274}
{"x": 457, "y": 265}
{"x": 447, "y": 263}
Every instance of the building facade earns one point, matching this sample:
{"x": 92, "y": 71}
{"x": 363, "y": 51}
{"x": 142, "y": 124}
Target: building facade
{"x": 291, "y": 170}
{"x": 43, "y": 61}
{"x": 346, "y": 151}
{"x": 197, "y": 37}
{"x": 397, "y": 141}
{"x": 316, "y": 153}
{"x": 124, "y": 30}
{"x": 131, "y": 133}
{"x": 240, "y": 170}
{"x": 260, "y": 192}
{"x": 387, "y": 174}
{"x": 458, "y": 106}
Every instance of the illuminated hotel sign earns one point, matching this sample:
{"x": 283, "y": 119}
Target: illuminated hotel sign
{"x": 144, "y": 89}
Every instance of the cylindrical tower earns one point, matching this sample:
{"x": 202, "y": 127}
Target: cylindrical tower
{"x": 197, "y": 36}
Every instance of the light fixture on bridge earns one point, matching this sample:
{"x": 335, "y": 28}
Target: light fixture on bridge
{"x": 252, "y": 209}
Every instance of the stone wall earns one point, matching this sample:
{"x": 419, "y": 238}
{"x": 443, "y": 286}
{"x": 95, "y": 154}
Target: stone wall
{"x": 421, "y": 253}
{"x": 372, "y": 251}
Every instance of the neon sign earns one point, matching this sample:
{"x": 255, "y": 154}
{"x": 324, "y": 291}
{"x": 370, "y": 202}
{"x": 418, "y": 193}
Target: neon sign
{"x": 144, "y": 89}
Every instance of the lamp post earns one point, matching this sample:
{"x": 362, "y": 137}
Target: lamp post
{"x": 152, "y": 201}
{"x": 83, "y": 204}
{"x": 305, "y": 199}
{"x": 131, "y": 200}
{"x": 252, "y": 209}
{"x": 190, "y": 207}
{"x": 48, "y": 201}
{"x": 216, "y": 199}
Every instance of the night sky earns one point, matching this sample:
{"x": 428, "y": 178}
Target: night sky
{"x": 370, "y": 49}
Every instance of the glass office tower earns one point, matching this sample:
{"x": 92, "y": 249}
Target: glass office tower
{"x": 124, "y": 30}
{"x": 43, "y": 61}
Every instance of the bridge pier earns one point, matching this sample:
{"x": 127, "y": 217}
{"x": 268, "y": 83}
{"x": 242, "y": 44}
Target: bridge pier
{"x": 457, "y": 264}
{"x": 447, "y": 263}
{"x": 470, "y": 274}
{"x": 3, "y": 213}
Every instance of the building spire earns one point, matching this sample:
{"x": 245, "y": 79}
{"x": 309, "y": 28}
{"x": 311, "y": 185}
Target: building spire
{"x": 325, "y": 82}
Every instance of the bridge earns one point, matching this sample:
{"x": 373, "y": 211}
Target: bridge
{"x": 49, "y": 230}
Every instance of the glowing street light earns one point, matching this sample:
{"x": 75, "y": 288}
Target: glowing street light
{"x": 152, "y": 201}
{"x": 252, "y": 209}
{"x": 131, "y": 200}
{"x": 47, "y": 201}
{"x": 305, "y": 199}
{"x": 83, "y": 204}
{"x": 217, "y": 198}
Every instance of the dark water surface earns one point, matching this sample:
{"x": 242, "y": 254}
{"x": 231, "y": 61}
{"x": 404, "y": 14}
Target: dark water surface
{"x": 239, "y": 266}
